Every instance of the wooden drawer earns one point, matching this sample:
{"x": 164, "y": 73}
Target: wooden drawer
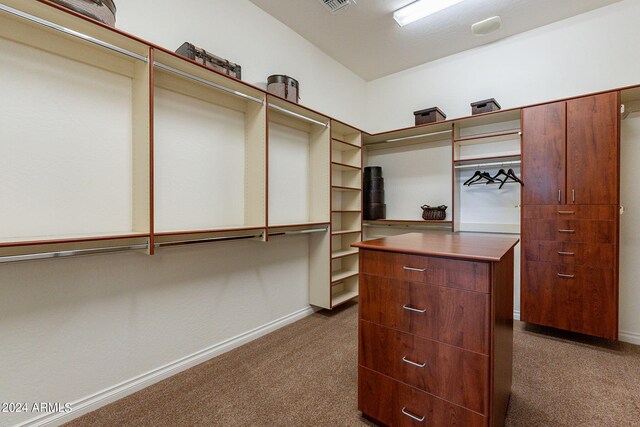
{"x": 469, "y": 275}
{"x": 575, "y": 298}
{"x": 593, "y": 254}
{"x": 451, "y": 316}
{"x": 583, "y": 224}
{"x": 553, "y": 212}
{"x": 392, "y": 403}
{"x": 448, "y": 372}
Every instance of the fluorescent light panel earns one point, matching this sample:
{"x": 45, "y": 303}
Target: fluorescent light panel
{"x": 421, "y": 9}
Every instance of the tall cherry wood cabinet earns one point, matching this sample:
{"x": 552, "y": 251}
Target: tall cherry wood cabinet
{"x": 570, "y": 215}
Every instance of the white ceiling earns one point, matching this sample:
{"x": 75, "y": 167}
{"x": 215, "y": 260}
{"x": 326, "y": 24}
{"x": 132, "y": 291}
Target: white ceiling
{"x": 366, "y": 39}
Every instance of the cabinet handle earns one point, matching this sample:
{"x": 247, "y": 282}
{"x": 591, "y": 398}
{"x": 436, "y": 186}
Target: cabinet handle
{"x": 566, "y": 231}
{"x": 420, "y": 270}
{"x": 573, "y": 195}
{"x": 410, "y": 415}
{"x": 567, "y": 212}
{"x": 566, "y": 253}
{"x": 566, "y": 276}
{"x": 417, "y": 310}
{"x": 559, "y": 196}
{"x": 419, "y": 365}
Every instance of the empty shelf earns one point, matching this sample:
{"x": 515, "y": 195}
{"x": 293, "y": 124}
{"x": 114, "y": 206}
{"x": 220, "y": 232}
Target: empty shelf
{"x": 341, "y": 232}
{"x": 337, "y": 276}
{"x": 342, "y": 297}
{"x": 340, "y": 188}
{"x": 344, "y": 167}
{"x": 344, "y": 252}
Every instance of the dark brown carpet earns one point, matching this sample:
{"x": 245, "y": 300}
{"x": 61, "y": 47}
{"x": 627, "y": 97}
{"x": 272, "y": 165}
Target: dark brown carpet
{"x": 306, "y": 375}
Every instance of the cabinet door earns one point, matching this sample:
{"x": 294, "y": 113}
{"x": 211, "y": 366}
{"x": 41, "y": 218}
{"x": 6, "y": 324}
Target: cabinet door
{"x": 593, "y": 150}
{"x": 544, "y": 154}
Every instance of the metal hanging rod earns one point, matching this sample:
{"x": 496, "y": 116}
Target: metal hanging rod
{"x": 206, "y": 82}
{"x": 71, "y": 32}
{"x": 206, "y": 240}
{"x": 424, "y": 135}
{"x": 289, "y": 233}
{"x": 76, "y": 252}
{"x": 484, "y": 165}
{"x": 300, "y": 116}
{"x": 499, "y": 133}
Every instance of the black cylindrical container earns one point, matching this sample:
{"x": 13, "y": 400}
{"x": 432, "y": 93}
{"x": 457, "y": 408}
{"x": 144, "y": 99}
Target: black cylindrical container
{"x": 373, "y": 184}
{"x": 375, "y": 211}
{"x": 372, "y": 172}
{"x": 373, "y": 194}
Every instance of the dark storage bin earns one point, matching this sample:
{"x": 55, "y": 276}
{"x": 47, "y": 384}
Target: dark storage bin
{"x": 284, "y": 86}
{"x": 374, "y": 184}
{"x": 374, "y": 211}
{"x": 374, "y": 196}
{"x": 209, "y": 60}
{"x": 100, "y": 10}
{"x": 372, "y": 172}
{"x": 486, "y": 106}
{"x": 373, "y": 206}
{"x": 429, "y": 115}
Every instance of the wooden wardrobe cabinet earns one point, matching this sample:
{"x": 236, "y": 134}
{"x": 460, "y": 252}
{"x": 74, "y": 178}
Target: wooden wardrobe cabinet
{"x": 570, "y": 215}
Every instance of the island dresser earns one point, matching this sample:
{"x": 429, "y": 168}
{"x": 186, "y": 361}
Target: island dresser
{"x": 436, "y": 329}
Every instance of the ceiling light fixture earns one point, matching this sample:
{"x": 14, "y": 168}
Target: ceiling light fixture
{"x": 421, "y": 9}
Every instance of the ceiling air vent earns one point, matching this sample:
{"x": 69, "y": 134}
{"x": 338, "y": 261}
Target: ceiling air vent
{"x": 335, "y": 5}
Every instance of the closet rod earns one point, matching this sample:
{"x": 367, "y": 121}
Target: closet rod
{"x": 289, "y": 233}
{"x": 425, "y": 227}
{"x": 484, "y": 165}
{"x": 76, "y": 252}
{"x": 424, "y": 135}
{"x": 70, "y": 32}
{"x": 206, "y": 240}
{"x": 206, "y": 82}
{"x": 300, "y": 116}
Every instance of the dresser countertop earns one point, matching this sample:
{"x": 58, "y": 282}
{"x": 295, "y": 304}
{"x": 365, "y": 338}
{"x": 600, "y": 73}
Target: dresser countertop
{"x": 452, "y": 245}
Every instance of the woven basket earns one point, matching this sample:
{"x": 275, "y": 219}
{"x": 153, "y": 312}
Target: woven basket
{"x": 434, "y": 213}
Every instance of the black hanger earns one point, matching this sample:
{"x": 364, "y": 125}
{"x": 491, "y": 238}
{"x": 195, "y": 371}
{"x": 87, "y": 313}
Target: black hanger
{"x": 510, "y": 175}
{"x": 479, "y": 176}
{"x": 475, "y": 175}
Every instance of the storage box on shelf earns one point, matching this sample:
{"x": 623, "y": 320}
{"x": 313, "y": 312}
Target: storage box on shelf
{"x": 486, "y": 143}
{"x": 75, "y": 136}
{"x": 210, "y": 152}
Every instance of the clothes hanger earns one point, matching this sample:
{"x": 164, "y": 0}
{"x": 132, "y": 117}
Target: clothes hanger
{"x": 480, "y": 177}
{"x": 475, "y": 175}
{"x": 510, "y": 175}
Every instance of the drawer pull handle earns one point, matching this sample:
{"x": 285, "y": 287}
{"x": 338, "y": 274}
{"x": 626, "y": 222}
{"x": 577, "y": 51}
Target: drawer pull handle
{"x": 566, "y": 231}
{"x": 566, "y": 253}
{"x": 566, "y": 276}
{"x": 419, "y": 365}
{"x": 419, "y": 270}
{"x": 410, "y": 415}
{"x": 416, "y": 310}
{"x": 567, "y": 212}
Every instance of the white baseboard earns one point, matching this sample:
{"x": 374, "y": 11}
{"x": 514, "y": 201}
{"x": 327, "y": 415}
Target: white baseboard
{"x": 516, "y": 314}
{"x": 630, "y": 337}
{"x": 118, "y": 391}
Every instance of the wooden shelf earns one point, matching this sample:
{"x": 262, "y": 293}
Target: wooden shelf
{"x": 495, "y": 136}
{"x": 340, "y": 188}
{"x": 405, "y": 221}
{"x": 342, "y": 232}
{"x": 338, "y": 276}
{"x": 344, "y": 167}
{"x": 343, "y": 297}
{"x": 507, "y": 157}
{"x": 346, "y": 211}
{"x": 340, "y": 145}
{"x": 93, "y": 237}
{"x": 344, "y": 253}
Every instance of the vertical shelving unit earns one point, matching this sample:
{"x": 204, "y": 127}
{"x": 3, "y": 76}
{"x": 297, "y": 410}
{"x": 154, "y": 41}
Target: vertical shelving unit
{"x": 77, "y": 188}
{"x": 346, "y": 212}
{"x": 210, "y": 154}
